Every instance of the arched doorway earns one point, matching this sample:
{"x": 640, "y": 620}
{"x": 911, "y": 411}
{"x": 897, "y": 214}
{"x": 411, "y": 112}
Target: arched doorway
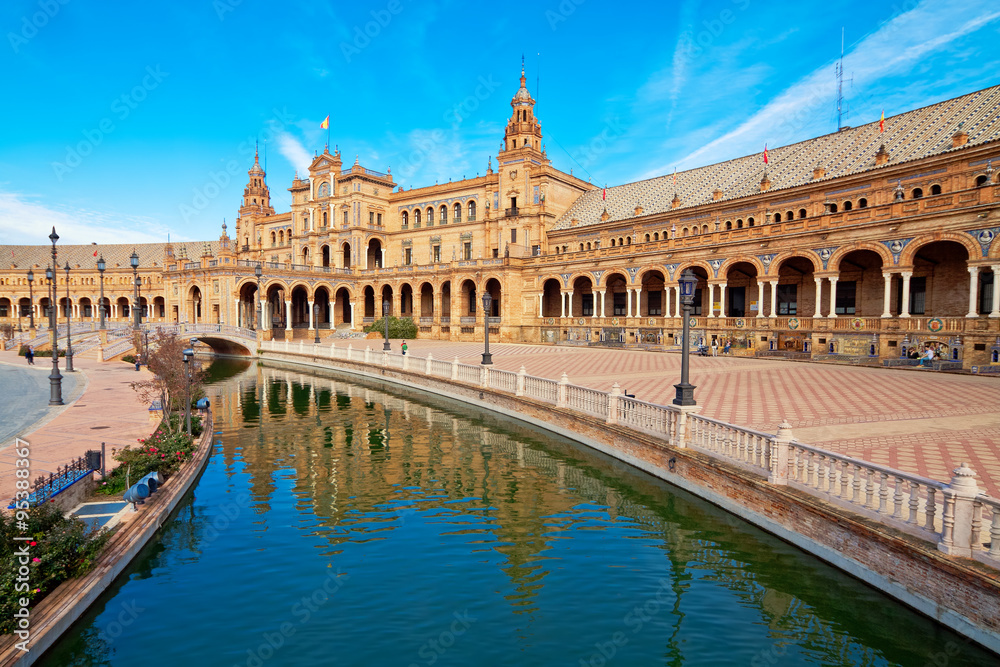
{"x": 495, "y": 291}
{"x": 346, "y": 252}
{"x": 405, "y": 300}
{"x": 374, "y": 255}
{"x": 652, "y": 298}
{"x": 616, "y": 296}
{"x": 369, "y": 296}
{"x": 426, "y": 303}
{"x": 940, "y": 283}
{"x": 860, "y": 284}
{"x": 468, "y": 305}
{"x": 274, "y": 311}
{"x": 446, "y": 302}
{"x": 343, "y": 314}
{"x": 326, "y": 255}
{"x": 793, "y": 295}
{"x": 583, "y": 297}
{"x": 194, "y": 305}
{"x": 321, "y": 305}
{"x": 247, "y": 315}
{"x": 386, "y": 296}
{"x": 551, "y": 299}
{"x": 741, "y": 290}
{"x": 300, "y": 307}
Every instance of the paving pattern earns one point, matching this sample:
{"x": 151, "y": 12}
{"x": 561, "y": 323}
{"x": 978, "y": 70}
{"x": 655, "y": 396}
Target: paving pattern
{"x": 916, "y": 420}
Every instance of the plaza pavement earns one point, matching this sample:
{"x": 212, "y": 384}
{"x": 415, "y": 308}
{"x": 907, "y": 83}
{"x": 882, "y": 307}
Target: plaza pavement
{"x": 99, "y": 406}
{"x": 915, "y": 420}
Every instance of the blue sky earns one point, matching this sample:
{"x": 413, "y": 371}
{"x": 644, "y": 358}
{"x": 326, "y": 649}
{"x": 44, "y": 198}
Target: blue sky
{"x": 128, "y": 121}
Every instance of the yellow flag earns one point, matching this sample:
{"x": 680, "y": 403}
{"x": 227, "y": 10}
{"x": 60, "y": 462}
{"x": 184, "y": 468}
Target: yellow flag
{"x": 326, "y": 123}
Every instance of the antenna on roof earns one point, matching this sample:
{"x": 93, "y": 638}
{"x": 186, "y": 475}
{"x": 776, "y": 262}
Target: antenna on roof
{"x": 538, "y": 67}
{"x": 842, "y": 107}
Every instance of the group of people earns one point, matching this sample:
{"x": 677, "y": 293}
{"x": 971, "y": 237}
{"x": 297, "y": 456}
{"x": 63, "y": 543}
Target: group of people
{"x": 703, "y": 349}
{"x": 930, "y": 352}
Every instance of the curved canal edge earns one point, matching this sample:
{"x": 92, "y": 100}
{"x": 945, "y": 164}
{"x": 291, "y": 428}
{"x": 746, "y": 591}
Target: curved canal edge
{"x": 59, "y": 610}
{"x": 959, "y": 593}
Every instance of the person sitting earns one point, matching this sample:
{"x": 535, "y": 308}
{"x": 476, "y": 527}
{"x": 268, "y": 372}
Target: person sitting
{"x": 928, "y": 357}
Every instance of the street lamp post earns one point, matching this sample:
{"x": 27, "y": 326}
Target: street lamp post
{"x": 685, "y": 390}
{"x": 137, "y": 314}
{"x": 316, "y": 321}
{"x": 31, "y": 298}
{"x": 100, "y": 269}
{"x": 487, "y": 303}
{"x": 188, "y": 354}
{"x": 385, "y": 317}
{"x": 138, "y": 298}
{"x": 55, "y": 378}
{"x": 257, "y": 272}
{"x": 69, "y": 327}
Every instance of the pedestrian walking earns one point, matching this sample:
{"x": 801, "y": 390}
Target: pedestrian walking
{"x": 715, "y": 347}
{"x": 404, "y": 348}
{"x": 30, "y": 356}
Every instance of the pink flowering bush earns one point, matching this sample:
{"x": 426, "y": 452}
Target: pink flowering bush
{"x": 161, "y": 452}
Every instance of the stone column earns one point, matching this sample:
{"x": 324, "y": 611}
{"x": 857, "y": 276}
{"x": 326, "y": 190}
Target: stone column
{"x": 383, "y": 257}
{"x": 329, "y": 314}
{"x": 288, "y": 315}
{"x": 995, "y": 308}
{"x": 904, "y": 307}
{"x": 973, "y": 292}
{"x": 562, "y": 302}
{"x": 541, "y": 302}
{"x": 886, "y": 295}
{"x": 711, "y": 300}
{"x": 353, "y": 319}
{"x": 638, "y": 301}
{"x": 774, "y": 298}
{"x": 722, "y": 299}
{"x": 602, "y": 292}
{"x": 819, "y": 297}
{"x": 833, "y": 297}
{"x": 628, "y": 302}
{"x": 310, "y": 307}
{"x": 760, "y": 297}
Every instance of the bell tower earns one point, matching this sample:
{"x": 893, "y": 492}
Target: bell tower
{"x": 256, "y": 195}
{"x": 523, "y": 132}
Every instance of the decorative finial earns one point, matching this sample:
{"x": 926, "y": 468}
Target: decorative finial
{"x": 898, "y": 192}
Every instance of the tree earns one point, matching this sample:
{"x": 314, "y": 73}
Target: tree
{"x": 168, "y": 384}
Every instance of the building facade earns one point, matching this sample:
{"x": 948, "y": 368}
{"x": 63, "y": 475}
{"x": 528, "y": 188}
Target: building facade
{"x": 863, "y": 244}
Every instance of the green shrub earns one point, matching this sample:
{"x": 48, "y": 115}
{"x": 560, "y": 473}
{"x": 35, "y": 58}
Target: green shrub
{"x": 163, "y": 452}
{"x": 23, "y": 350}
{"x": 128, "y": 358}
{"x": 398, "y": 327}
{"x": 59, "y": 549}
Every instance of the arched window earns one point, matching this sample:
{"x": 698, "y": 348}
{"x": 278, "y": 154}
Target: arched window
{"x": 324, "y": 218}
{"x": 406, "y": 219}
{"x": 694, "y": 231}
{"x": 802, "y": 213}
{"x": 729, "y": 225}
{"x": 430, "y": 216}
{"x": 917, "y": 193}
{"x": 777, "y": 217}
{"x": 656, "y": 236}
{"x": 274, "y": 238}
{"x": 935, "y": 189}
{"x": 647, "y": 238}
{"x": 750, "y": 222}
{"x": 472, "y": 212}
{"x": 581, "y": 247}
{"x": 833, "y": 208}
{"x": 612, "y": 243}
{"x": 789, "y": 215}
{"x": 739, "y": 224}
{"x": 416, "y": 217}
{"x": 848, "y": 205}
{"x": 588, "y": 245}
{"x": 981, "y": 180}
{"x": 444, "y": 214}
{"x": 704, "y": 229}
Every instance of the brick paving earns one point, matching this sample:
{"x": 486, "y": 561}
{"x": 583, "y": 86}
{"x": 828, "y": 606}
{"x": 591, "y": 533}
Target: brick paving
{"x": 920, "y": 421}
{"x": 108, "y": 410}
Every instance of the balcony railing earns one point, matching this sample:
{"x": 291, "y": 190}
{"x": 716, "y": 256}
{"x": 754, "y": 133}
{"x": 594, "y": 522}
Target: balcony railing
{"x": 511, "y": 212}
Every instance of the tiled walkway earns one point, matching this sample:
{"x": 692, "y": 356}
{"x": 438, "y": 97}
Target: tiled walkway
{"x": 108, "y": 411}
{"x": 915, "y": 420}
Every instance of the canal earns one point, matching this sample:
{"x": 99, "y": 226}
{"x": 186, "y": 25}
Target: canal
{"x": 342, "y": 522}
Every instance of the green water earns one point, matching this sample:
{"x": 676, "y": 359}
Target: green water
{"x": 347, "y": 524}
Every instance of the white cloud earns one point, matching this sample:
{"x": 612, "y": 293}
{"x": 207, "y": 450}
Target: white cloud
{"x": 24, "y": 220}
{"x": 895, "y": 48}
{"x": 294, "y": 152}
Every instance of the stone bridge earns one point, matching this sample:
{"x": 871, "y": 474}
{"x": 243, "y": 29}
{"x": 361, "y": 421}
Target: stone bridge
{"x": 222, "y": 338}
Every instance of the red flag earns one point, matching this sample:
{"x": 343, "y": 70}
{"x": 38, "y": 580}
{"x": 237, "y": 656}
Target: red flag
{"x": 881, "y": 123}
{"x": 95, "y": 253}
{"x": 604, "y": 195}
{"x": 765, "y": 153}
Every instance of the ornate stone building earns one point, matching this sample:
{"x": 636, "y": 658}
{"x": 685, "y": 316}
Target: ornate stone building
{"x": 858, "y": 245}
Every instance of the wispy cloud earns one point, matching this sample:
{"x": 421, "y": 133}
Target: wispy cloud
{"x": 895, "y": 48}
{"x": 26, "y": 220}
{"x": 293, "y": 151}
